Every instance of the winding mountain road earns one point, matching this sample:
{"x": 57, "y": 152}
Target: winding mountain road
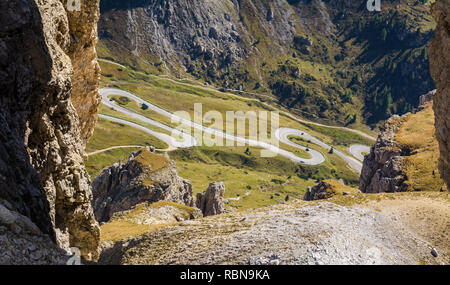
{"x": 281, "y": 134}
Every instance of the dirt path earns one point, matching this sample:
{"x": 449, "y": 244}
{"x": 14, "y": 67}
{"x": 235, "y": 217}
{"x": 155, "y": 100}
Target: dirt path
{"x": 127, "y": 146}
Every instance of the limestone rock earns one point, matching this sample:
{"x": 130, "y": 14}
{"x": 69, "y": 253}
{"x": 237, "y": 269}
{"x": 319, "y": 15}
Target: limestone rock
{"x": 86, "y": 70}
{"x": 440, "y": 71}
{"x": 327, "y": 189}
{"x": 383, "y": 168}
{"x": 146, "y": 177}
{"x": 211, "y": 202}
{"x": 42, "y": 174}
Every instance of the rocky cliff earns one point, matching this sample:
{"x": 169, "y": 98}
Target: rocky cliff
{"x": 146, "y": 177}
{"x": 42, "y": 175}
{"x": 440, "y": 70}
{"x": 383, "y": 168}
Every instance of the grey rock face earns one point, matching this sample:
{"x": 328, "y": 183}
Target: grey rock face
{"x": 440, "y": 71}
{"x": 211, "y": 202}
{"x": 42, "y": 174}
{"x": 123, "y": 186}
{"x": 424, "y": 99}
{"x": 382, "y": 168}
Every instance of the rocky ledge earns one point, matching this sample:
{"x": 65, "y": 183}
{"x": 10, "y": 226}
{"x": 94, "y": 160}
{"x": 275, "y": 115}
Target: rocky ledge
{"x": 146, "y": 177}
{"x": 23, "y": 243}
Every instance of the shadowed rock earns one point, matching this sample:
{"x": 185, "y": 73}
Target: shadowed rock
{"x": 146, "y": 177}
{"x": 42, "y": 173}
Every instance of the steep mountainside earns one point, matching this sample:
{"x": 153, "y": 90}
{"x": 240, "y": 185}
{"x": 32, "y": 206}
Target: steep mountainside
{"x": 333, "y": 59}
{"x": 42, "y": 174}
{"x": 440, "y": 69}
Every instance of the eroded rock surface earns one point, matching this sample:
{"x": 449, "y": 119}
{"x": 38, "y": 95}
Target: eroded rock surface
{"x": 211, "y": 202}
{"x": 42, "y": 174}
{"x": 425, "y": 99}
{"x": 86, "y": 71}
{"x": 146, "y": 177}
{"x": 383, "y": 168}
{"x": 440, "y": 70}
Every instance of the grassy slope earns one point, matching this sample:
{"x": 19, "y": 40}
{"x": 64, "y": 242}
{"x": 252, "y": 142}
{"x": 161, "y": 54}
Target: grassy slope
{"x": 123, "y": 226}
{"x": 417, "y": 134}
{"x": 109, "y": 134}
{"x": 96, "y": 163}
{"x": 255, "y": 181}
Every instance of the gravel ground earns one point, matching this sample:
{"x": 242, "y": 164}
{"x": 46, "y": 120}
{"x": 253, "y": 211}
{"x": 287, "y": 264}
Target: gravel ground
{"x": 294, "y": 233}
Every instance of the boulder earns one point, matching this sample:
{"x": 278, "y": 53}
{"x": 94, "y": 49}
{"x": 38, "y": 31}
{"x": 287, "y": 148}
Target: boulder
{"x": 211, "y": 202}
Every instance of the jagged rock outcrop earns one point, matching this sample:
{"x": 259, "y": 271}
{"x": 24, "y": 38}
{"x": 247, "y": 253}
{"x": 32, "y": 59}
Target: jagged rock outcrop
{"x": 146, "y": 177}
{"x": 383, "y": 168}
{"x": 440, "y": 71}
{"x": 211, "y": 202}
{"x": 42, "y": 174}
